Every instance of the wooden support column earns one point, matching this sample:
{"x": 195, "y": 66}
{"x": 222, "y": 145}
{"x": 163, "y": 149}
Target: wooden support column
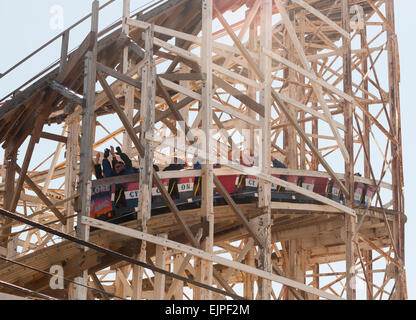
{"x": 10, "y": 168}
{"x": 396, "y": 152}
{"x": 128, "y": 89}
{"x": 300, "y": 92}
{"x": 251, "y": 90}
{"x": 87, "y": 140}
{"x": 71, "y": 156}
{"x": 204, "y": 269}
{"x": 177, "y": 263}
{"x": 64, "y": 50}
{"x": 290, "y": 132}
{"x": 367, "y": 123}
{"x": 147, "y": 114}
{"x": 160, "y": 262}
{"x": 315, "y": 131}
{"x": 296, "y": 266}
{"x": 368, "y": 258}
{"x": 265, "y": 221}
{"x": 349, "y": 165}
{"x": 249, "y": 279}
{"x": 316, "y": 278}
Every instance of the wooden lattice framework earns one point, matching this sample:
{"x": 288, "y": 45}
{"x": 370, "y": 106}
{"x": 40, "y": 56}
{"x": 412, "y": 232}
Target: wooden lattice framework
{"x": 318, "y": 79}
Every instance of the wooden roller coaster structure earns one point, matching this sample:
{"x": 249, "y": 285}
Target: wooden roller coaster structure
{"x": 312, "y": 83}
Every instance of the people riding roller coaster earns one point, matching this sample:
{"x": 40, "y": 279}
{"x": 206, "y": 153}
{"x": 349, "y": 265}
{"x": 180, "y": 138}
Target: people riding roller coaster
{"x": 175, "y": 165}
{"x": 277, "y": 164}
{"x": 117, "y": 168}
{"x": 117, "y": 203}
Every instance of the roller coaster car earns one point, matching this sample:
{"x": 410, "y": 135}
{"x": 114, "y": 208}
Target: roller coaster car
{"x": 118, "y": 203}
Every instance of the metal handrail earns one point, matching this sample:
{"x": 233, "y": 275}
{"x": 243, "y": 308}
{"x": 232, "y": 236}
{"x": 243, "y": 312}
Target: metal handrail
{"x": 52, "y": 40}
{"x": 55, "y": 63}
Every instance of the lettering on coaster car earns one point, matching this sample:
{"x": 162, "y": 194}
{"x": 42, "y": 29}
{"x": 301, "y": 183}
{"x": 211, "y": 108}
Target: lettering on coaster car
{"x": 106, "y": 200}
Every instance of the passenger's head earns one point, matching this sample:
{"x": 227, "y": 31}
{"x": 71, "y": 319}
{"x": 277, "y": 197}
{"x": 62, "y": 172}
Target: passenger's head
{"x": 118, "y": 167}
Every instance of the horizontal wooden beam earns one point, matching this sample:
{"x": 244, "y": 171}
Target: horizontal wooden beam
{"x": 53, "y": 137}
{"x": 205, "y": 255}
{"x": 116, "y": 180}
{"x": 67, "y": 93}
{"x": 119, "y": 76}
{"x": 183, "y": 76}
{"x": 112, "y": 253}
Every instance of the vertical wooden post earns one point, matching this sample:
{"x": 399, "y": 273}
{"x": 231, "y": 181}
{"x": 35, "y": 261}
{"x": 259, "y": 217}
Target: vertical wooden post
{"x": 368, "y": 258}
{"x": 71, "y": 155}
{"x": 290, "y": 132}
{"x": 367, "y": 254}
{"x": 316, "y": 278}
{"x": 349, "y": 166}
{"x": 265, "y": 220}
{"x": 64, "y": 50}
{"x": 87, "y": 140}
{"x": 204, "y": 269}
{"x": 129, "y": 90}
{"x": 147, "y": 114}
{"x": 252, "y": 91}
{"x": 249, "y": 279}
{"x": 177, "y": 263}
{"x": 300, "y": 94}
{"x": 396, "y": 153}
{"x": 10, "y": 168}
{"x": 315, "y": 130}
{"x": 367, "y": 123}
{"x": 296, "y": 264}
{"x": 161, "y": 254}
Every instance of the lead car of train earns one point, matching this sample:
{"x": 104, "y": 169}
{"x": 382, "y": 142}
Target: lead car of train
{"x": 118, "y": 203}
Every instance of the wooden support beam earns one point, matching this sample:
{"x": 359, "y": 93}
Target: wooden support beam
{"x": 220, "y": 188}
{"x": 140, "y": 149}
{"x": 87, "y": 141}
{"x": 183, "y": 76}
{"x": 76, "y": 57}
{"x": 54, "y": 137}
{"x": 264, "y": 222}
{"x": 206, "y": 256}
{"x": 120, "y": 76}
{"x": 350, "y": 225}
{"x": 67, "y": 93}
{"x": 317, "y": 89}
{"x": 250, "y": 103}
{"x": 41, "y": 195}
{"x": 160, "y": 262}
{"x": 147, "y": 114}
{"x": 324, "y": 18}
{"x": 396, "y": 150}
{"x": 111, "y": 253}
{"x": 99, "y": 286}
{"x": 205, "y": 268}
{"x": 9, "y": 179}
{"x": 71, "y": 167}
{"x": 64, "y": 50}
{"x": 23, "y": 171}
{"x": 280, "y": 103}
